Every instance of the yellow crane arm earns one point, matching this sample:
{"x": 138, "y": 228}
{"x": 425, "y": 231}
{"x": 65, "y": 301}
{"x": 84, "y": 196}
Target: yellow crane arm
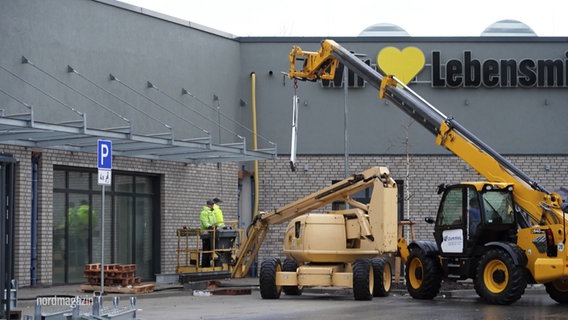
{"x": 543, "y": 206}
{"x": 249, "y": 249}
{"x": 320, "y": 65}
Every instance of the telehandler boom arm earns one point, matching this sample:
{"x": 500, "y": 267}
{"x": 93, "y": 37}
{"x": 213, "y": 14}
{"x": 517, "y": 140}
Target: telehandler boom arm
{"x": 544, "y": 207}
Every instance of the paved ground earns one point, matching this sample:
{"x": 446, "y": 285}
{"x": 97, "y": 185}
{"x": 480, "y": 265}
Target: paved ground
{"x": 29, "y": 293}
{"x": 29, "y": 297}
{"x": 176, "y": 302}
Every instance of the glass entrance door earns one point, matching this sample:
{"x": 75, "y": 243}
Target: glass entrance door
{"x": 131, "y": 214}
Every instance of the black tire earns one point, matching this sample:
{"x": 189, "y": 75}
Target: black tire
{"x": 363, "y": 280}
{"x": 382, "y": 276}
{"x": 558, "y": 290}
{"x": 291, "y": 265}
{"x": 498, "y": 280}
{"x": 267, "y": 278}
{"x": 423, "y": 275}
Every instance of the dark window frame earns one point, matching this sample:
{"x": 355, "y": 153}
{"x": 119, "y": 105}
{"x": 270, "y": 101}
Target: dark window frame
{"x": 110, "y": 195}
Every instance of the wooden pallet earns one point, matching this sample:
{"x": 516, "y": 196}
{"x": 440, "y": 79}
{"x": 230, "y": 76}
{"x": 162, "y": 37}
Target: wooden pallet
{"x": 117, "y": 275}
{"x": 136, "y": 289}
{"x": 231, "y": 291}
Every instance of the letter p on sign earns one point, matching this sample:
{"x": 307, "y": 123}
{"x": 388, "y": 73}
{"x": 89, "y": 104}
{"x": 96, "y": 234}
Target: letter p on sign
{"x": 104, "y": 154}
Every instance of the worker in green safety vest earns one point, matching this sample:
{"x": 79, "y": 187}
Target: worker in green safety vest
{"x": 78, "y": 219}
{"x": 207, "y": 216}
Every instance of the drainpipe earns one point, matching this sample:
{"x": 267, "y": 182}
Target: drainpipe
{"x": 254, "y": 140}
{"x": 255, "y": 147}
{"x": 34, "y": 217}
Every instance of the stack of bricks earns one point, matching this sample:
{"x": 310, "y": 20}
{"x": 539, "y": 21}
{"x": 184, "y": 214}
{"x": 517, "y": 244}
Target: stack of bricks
{"x": 114, "y": 274}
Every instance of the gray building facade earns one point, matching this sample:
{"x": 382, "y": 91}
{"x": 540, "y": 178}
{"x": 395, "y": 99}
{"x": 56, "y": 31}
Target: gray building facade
{"x": 74, "y": 71}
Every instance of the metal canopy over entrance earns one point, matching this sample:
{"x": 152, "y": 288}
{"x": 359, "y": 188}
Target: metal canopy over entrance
{"x": 22, "y": 130}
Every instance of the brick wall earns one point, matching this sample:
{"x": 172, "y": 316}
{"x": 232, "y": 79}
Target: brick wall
{"x": 279, "y": 185}
{"x": 185, "y": 188}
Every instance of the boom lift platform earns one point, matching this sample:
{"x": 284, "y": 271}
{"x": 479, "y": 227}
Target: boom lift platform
{"x": 195, "y": 264}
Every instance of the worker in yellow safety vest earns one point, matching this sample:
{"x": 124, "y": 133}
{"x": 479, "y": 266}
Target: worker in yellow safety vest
{"x": 207, "y": 216}
{"x": 78, "y": 220}
{"x": 219, "y": 222}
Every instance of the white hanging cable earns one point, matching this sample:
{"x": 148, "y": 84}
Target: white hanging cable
{"x": 293, "y": 143}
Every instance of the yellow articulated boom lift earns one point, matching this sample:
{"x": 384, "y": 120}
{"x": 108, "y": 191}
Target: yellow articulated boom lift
{"x": 519, "y": 235}
{"x": 344, "y": 248}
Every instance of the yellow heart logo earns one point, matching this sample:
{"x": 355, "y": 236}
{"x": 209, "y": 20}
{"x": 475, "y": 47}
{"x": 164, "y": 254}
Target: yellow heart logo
{"x": 404, "y": 65}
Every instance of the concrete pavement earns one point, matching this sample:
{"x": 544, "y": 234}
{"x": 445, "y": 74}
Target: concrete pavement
{"x": 28, "y": 297}
{"x": 171, "y": 296}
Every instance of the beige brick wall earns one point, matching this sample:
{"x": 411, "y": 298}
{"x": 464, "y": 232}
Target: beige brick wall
{"x": 279, "y": 185}
{"x": 185, "y": 187}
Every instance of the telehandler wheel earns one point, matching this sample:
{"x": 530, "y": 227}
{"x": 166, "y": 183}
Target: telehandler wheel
{"x": 498, "y": 280}
{"x": 423, "y": 275}
{"x": 291, "y": 265}
{"x": 267, "y": 279}
{"x": 363, "y": 280}
{"x": 382, "y": 273}
{"x": 558, "y": 290}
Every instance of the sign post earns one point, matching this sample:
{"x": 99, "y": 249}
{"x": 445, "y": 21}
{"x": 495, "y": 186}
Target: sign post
{"x": 104, "y": 164}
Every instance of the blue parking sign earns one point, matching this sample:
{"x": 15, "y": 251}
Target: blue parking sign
{"x": 104, "y": 154}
